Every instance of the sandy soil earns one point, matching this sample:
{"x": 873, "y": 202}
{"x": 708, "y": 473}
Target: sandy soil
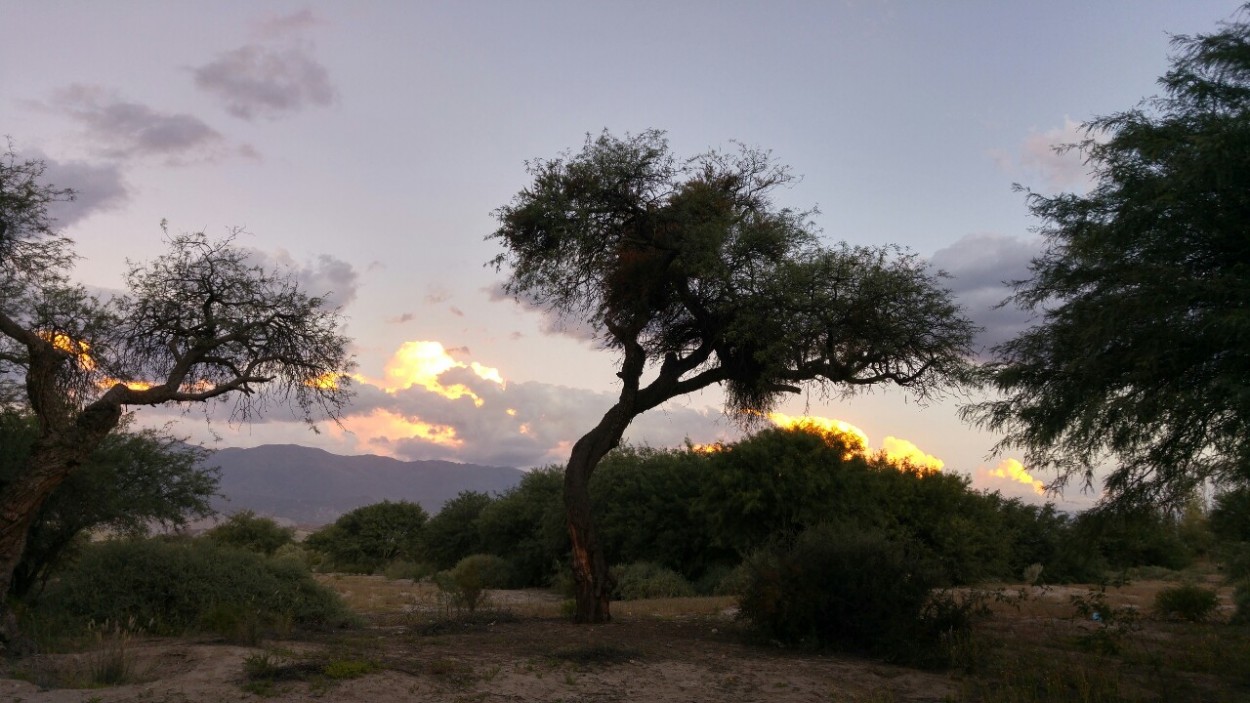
{"x": 688, "y": 651}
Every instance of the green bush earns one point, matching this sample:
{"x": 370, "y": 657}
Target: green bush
{"x": 647, "y": 580}
{"x": 169, "y": 587}
{"x": 1187, "y": 602}
{"x": 404, "y": 569}
{"x": 366, "y": 539}
{"x": 464, "y": 586}
{"x": 247, "y": 530}
{"x": 853, "y": 589}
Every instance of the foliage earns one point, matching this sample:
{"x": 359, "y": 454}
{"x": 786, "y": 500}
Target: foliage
{"x": 526, "y": 526}
{"x": 134, "y": 480}
{"x": 453, "y": 533}
{"x": 465, "y": 585}
{"x": 689, "y": 270}
{"x": 1129, "y": 536}
{"x": 201, "y": 322}
{"x": 1140, "y": 356}
{"x": 851, "y": 589}
{"x": 1241, "y": 603}
{"x": 171, "y": 586}
{"x": 658, "y": 488}
{"x": 364, "y": 540}
{"x": 1186, "y": 602}
{"x": 1230, "y": 515}
{"x": 643, "y": 579}
{"x": 246, "y": 530}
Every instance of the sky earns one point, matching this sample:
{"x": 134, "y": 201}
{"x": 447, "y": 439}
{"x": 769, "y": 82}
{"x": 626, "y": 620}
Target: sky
{"x": 365, "y": 145}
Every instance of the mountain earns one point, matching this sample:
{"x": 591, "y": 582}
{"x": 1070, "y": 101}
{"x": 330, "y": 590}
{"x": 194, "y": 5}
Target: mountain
{"x": 313, "y": 487}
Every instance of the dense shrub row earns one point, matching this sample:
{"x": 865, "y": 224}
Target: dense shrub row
{"x": 179, "y": 585}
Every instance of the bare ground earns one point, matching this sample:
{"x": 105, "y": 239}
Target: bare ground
{"x": 687, "y": 650}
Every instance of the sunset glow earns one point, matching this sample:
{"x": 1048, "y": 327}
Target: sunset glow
{"x": 79, "y": 350}
{"x": 855, "y": 438}
{"x": 421, "y": 363}
{"x": 381, "y": 427}
{"x": 1013, "y": 470}
{"x": 899, "y": 452}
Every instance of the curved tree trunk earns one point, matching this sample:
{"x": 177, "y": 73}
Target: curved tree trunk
{"x": 592, "y": 582}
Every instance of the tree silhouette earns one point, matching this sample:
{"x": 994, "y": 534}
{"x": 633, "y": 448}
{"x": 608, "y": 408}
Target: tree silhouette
{"x": 695, "y": 278}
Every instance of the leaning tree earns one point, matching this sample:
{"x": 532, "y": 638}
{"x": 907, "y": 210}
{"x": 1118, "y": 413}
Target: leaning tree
{"x": 690, "y": 272}
{"x": 199, "y": 323}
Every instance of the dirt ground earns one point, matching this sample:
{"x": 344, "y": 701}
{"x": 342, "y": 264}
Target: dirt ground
{"x": 687, "y": 650}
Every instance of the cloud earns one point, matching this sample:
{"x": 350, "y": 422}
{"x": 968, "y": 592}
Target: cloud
{"x": 327, "y": 276}
{"x": 121, "y": 129}
{"x": 550, "y": 323}
{"x": 981, "y": 266}
{"x": 254, "y": 81}
{"x": 436, "y": 403}
{"x": 97, "y": 188}
{"x": 1046, "y": 156}
{"x": 400, "y": 319}
{"x": 436, "y": 294}
{"x": 296, "y": 22}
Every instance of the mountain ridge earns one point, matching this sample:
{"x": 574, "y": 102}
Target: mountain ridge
{"x": 310, "y": 486}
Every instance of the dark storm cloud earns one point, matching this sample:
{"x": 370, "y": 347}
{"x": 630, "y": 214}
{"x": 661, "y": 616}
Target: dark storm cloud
{"x": 254, "y": 81}
{"x": 120, "y": 129}
{"x": 981, "y": 268}
{"x": 97, "y": 188}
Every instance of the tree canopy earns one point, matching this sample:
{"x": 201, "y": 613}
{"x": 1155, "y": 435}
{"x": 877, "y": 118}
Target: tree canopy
{"x": 1140, "y": 359}
{"x": 202, "y": 322}
{"x": 690, "y": 271}
{"x": 135, "y": 480}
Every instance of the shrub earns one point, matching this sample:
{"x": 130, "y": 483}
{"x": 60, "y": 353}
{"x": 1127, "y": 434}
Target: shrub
{"x": 169, "y": 587}
{"x": 1187, "y": 602}
{"x": 464, "y": 586}
{"x": 366, "y": 539}
{"x": 404, "y": 569}
{"x": 247, "y": 530}
{"x": 647, "y": 580}
{"x": 851, "y": 589}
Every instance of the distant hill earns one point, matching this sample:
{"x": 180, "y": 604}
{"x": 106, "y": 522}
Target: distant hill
{"x": 313, "y": 487}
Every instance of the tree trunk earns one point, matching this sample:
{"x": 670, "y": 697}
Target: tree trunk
{"x": 591, "y": 580}
{"x": 52, "y": 458}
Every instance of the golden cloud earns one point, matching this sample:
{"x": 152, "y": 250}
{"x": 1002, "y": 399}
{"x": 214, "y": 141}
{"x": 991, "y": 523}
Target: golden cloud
{"x": 1013, "y": 470}
{"x": 899, "y": 452}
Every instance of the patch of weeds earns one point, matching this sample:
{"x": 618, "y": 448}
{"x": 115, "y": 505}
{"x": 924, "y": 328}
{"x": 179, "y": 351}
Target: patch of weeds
{"x": 1111, "y": 624}
{"x": 1053, "y": 682}
{"x": 112, "y": 663}
{"x": 1186, "y": 602}
{"x": 340, "y": 669}
{"x": 265, "y": 670}
{"x": 602, "y": 654}
{"x": 451, "y": 671}
{"x": 464, "y": 621}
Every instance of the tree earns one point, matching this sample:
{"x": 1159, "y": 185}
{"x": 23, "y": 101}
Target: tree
{"x": 370, "y": 537}
{"x": 134, "y": 480}
{"x": 689, "y": 272}
{"x": 247, "y": 530}
{"x": 453, "y": 533}
{"x": 199, "y": 323}
{"x": 1141, "y": 357}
